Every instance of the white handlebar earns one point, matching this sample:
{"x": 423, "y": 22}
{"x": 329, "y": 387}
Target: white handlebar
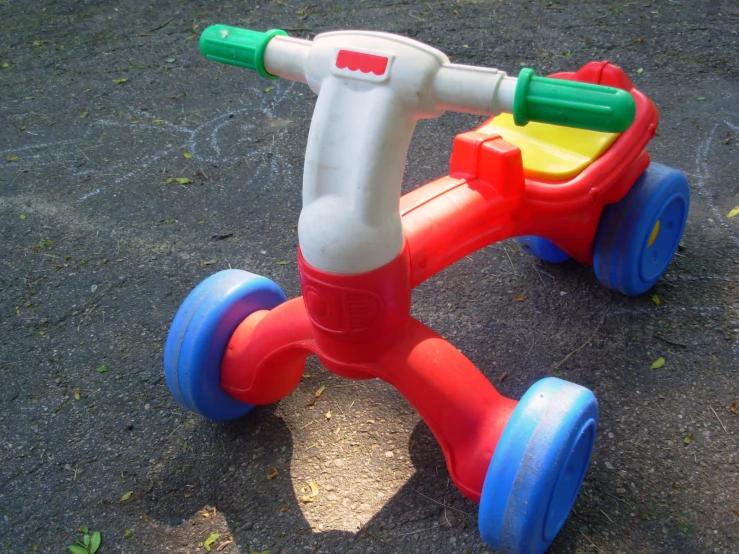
{"x": 372, "y": 89}
{"x": 456, "y": 87}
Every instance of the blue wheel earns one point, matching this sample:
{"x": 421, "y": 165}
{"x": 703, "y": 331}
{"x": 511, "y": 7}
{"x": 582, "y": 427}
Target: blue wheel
{"x": 542, "y": 248}
{"x": 538, "y": 466}
{"x": 199, "y": 335}
{"x": 638, "y": 235}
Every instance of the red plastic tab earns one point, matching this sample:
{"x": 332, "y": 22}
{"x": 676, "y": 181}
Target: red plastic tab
{"x": 359, "y": 61}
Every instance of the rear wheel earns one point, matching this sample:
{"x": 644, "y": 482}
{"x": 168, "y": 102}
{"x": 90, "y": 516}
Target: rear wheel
{"x": 542, "y": 248}
{"x": 639, "y": 235}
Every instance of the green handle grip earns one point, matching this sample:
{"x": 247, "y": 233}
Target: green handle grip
{"x": 240, "y": 47}
{"x": 571, "y": 103}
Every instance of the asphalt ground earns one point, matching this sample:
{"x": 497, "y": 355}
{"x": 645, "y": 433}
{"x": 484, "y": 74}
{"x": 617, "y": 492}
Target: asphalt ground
{"x": 99, "y": 102}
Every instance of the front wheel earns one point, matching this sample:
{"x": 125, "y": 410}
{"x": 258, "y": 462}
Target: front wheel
{"x": 538, "y": 466}
{"x": 200, "y": 333}
{"x": 638, "y": 235}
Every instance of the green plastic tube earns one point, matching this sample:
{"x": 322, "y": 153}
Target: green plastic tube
{"x": 571, "y": 103}
{"x": 240, "y": 47}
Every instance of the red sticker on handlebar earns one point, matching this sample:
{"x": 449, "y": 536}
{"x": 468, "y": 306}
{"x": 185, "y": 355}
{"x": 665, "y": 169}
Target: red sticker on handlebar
{"x": 359, "y": 61}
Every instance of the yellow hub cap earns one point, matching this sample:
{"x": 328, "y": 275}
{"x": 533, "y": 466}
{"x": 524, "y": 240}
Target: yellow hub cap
{"x": 653, "y": 236}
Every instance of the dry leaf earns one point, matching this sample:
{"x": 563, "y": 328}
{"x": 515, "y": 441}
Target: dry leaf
{"x": 284, "y": 509}
{"x": 77, "y": 395}
{"x": 519, "y": 298}
{"x": 84, "y": 114}
{"x": 733, "y": 409}
{"x": 10, "y": 158}
{"x": 207, "y": 543}
{"x": 311, "y": 492}
{"x": 274, "y": 473}
{"x": 120, "y": 81}
{"x": 658, "y": 363}
{"x": 283, "y": 262}
{"x": 180, "y": 180}
{"x": 328, "y": 414}
{"x": 208, "y": 262}
{"x": 318, "y": 394}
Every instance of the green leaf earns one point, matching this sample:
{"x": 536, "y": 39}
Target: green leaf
{"x": 700, "y": 98}
{"x": 640, "y": 70}
{"x": 102, "y": 369}
{"x": 687, "y": 440}
{"x": 120, "y": 81}
{"x": 658, "y": 363}
{"x": 77, "y": 549}
{"x": 269, "y": 89}
{"x": 187, "y": 155}
{"x": 557, "y": 373}
{"x": 210, "y": 540}
{"x": 183, "y": 180}
{"x": 655, "y": 299}
{"x": 283, "y": 262}
{"x": 84, "y": 529}
{"x": 86, "y": 541}
{"x": 10, "y": 159}
{"x": 95, "y": 542}
{"x": 734, "y": 212}
{"x": 6, "y": 65}
{"x": 127, "y": 534}
{"x": 126, "y": 496}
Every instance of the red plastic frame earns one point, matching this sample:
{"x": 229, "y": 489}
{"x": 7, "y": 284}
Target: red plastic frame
{"x": 360, "y": 326}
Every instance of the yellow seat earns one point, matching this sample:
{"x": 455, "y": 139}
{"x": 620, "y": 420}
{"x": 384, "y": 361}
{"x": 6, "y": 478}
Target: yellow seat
{"x": 551, "y": 152}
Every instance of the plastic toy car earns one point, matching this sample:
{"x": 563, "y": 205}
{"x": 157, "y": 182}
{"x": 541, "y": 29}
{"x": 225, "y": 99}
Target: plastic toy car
{"x": 588, "y": 192}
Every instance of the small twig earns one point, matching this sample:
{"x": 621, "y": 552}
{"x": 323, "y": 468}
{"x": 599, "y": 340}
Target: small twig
{"x": 419, "y": 531}
{"x": 591, "y": 542}
{"x": 509, "y": 259}
{"x": 719, "y": 420}
{"x": 583, "y": 345}
{"x": 605, "y": 514}
{"x": 162, "y": 26}
{"x": 442, "y": 504}
{"x": 616, "y": 497}
{"x": 668, "y": 341}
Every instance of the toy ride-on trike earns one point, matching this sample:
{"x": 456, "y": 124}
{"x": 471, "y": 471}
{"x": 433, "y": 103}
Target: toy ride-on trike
{"x": 574, "y": 182}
